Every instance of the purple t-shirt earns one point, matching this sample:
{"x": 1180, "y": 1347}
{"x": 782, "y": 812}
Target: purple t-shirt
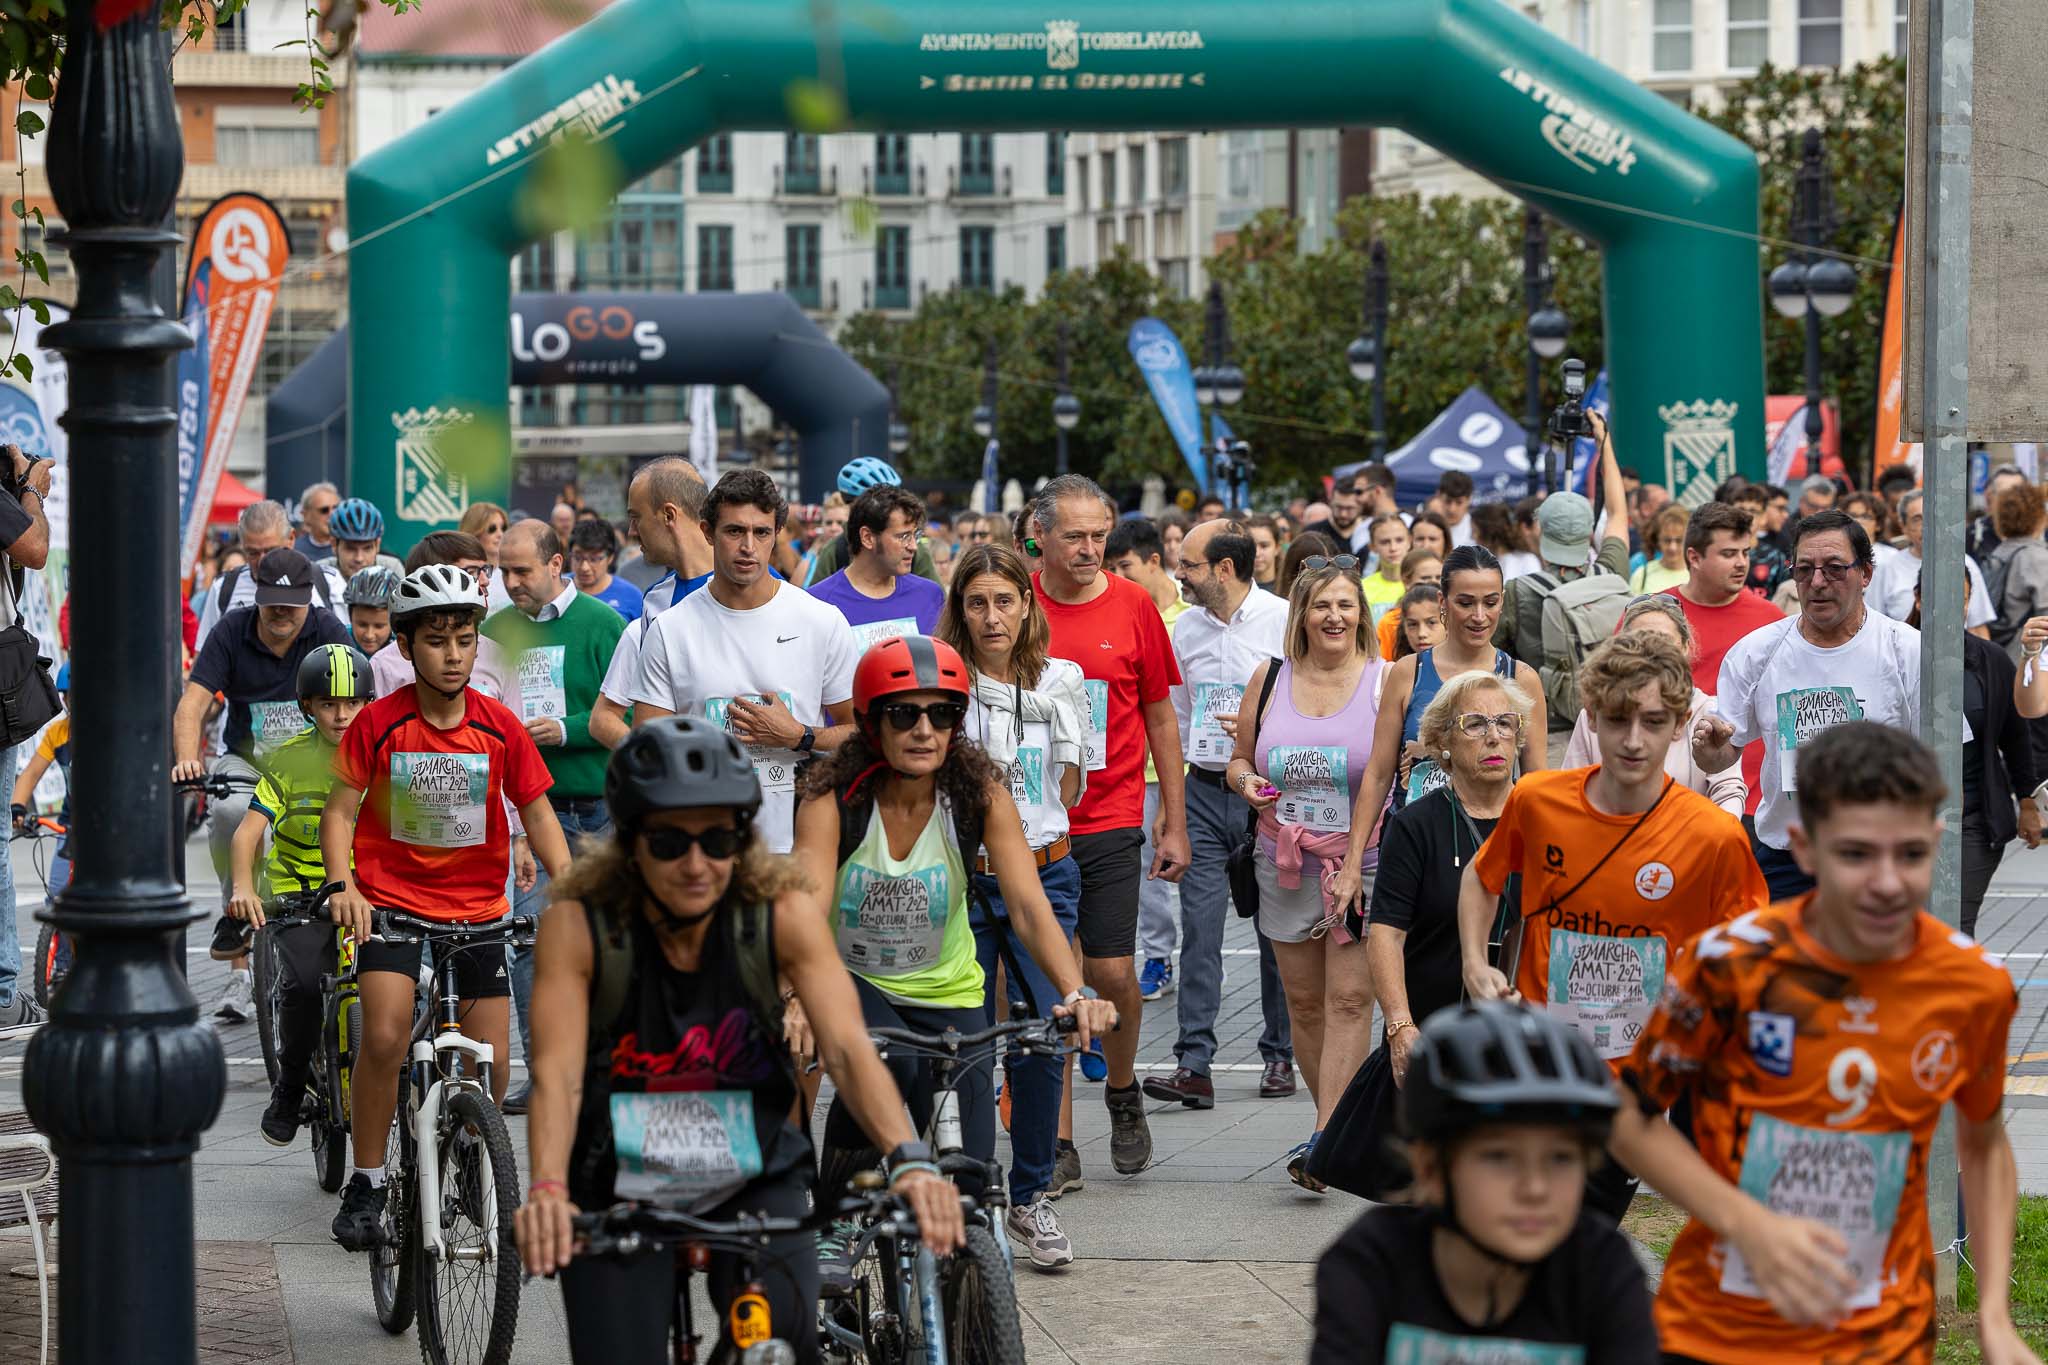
{"x": 912, "y": 609}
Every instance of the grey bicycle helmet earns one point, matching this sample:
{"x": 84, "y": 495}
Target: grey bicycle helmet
{"x": 435, "y": 587}
{"x": 1492, "y": 1062}
{"x": 371, "y": 587}
{"x": 677, "y": 763}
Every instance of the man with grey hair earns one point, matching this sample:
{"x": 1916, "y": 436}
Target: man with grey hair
{"x": 263, "y": 527}
{"x": 1109, "y": 627}
{"x": 1898, "y": 575}
{"x": 316, "y": 505}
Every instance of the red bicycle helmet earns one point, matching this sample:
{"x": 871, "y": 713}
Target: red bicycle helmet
{"x": 906, "y": 663}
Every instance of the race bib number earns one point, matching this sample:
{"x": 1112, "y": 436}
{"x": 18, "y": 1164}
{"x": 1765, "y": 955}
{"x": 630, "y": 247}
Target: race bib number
{"x": 1098, "y": 724}
{"x": 1605, "y": 987}
{"x": 1424, "y": 777}
{"x": 541, "y": 695}
{"x": 271, "y": 723}
{"x": 1213, "y": 704}
{"x": 1805, "y": 712}
{"x": 1315, "y": 789}
{"x": 775, "y": 767}
{"x": 678, "y": 1146}
{"x": 1852, "y": 1182}
{"x": 1027, "y": 778}
{"x": 439, "y": 800}
{"x": 891, "y": 926}
{"x": 874, "y": 632}
{"x": 1408, "y": 1344}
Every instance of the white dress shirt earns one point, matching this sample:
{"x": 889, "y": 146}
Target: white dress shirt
{"x": 1217, "y": 658}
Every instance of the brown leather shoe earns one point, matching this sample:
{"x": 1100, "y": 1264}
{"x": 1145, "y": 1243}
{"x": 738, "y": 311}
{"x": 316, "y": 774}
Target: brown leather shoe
{"x": 1191, "y": 1088}
{"x": 1277, "y": 1082}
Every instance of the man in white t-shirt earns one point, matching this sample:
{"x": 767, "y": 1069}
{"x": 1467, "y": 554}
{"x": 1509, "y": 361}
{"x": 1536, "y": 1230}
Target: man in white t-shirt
{"x": 1897, "y": 576}
{"x": 760, "y": 656}
{"x": 1786, "y": 682}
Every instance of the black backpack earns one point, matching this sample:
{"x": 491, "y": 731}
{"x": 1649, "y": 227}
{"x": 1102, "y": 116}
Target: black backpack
{"x": 611, "y": 973}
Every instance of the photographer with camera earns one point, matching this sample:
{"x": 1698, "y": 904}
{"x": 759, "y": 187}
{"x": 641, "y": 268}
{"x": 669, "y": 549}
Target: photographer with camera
{"x": 1550, "y": 619}
{"x": 25, "y": 681}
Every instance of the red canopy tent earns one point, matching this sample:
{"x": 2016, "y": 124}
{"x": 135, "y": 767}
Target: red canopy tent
{"x": 229, "y": 498}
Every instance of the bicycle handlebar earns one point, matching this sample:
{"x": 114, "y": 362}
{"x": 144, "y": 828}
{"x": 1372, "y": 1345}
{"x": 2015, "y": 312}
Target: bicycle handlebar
{"x": 217, "y": 787}
{"x": 625, "y": 1229}
{"x": 300, "y": 907}
{"x": 395, "y": 926}
{"x": 1033, "y": 1034}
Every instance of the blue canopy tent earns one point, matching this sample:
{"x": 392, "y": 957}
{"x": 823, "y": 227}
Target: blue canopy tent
{"x": 1472, "y": 435}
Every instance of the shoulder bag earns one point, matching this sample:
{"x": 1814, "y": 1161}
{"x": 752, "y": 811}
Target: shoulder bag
{"x": 1241, "y": 866}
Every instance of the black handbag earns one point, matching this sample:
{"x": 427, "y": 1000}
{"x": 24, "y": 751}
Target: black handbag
{"x": 28, "y": 698}
{"x": 1241, "y": 866}
{"x": 1360, "y": 1151}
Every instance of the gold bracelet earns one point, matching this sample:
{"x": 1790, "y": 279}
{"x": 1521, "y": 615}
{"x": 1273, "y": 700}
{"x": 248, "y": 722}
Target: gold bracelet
{"x": 1394, "y": 1028}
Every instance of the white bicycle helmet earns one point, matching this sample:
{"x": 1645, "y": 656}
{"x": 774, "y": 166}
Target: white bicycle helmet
{"x": 435, "y": 587}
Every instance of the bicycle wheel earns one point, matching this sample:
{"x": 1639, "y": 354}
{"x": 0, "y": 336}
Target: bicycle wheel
{"x": 878, "y": 1301}
{"x": 469, "y": 1298}
{"x": 47, "y": 976}
{"x": 395, "y": 1262}
{"x": 980, "y": 1303}
{"x": 330, "y": 1125}
{"x": 269, "y": 995}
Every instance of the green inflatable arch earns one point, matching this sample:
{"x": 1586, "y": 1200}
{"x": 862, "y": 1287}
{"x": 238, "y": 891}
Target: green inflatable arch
{"x": 1671, "y": 200}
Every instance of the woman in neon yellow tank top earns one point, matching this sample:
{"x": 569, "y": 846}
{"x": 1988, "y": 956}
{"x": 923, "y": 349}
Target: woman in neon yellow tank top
{"x": 885, "y": 831}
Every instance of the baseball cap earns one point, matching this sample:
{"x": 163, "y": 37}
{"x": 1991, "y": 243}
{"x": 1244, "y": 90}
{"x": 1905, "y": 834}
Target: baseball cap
{"x": 284, "y": 578}
{"x": 1564, "y": 525}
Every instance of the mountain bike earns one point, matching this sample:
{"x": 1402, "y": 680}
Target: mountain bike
{"x": 326, "y": 1110}
{"x": 905, "y": 1307}
{"x": 445, "y": 1252}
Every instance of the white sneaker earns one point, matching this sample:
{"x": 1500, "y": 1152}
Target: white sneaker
{"x": 1038, "y": 1227}
{"x": 237, "y": 1002}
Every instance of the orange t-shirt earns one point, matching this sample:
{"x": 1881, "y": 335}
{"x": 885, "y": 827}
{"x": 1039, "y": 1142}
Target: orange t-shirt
{"x": 1390, "y": 638}
{"x": 1598, "y": 960}
{"x": 1816, "y": 1084}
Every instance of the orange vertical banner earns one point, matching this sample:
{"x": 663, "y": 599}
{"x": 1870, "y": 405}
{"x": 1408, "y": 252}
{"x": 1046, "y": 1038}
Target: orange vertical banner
{"x": 1886, "y": 447}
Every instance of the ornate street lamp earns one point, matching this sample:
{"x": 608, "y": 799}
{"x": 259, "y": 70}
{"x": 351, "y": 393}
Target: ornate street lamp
{"x": 1812, "y": 285}
{"x": 1066, "y": 409}
{"x": 985, "y": 415}
{"x": 1367, "y": 355}
{"x": 1549, "y": 329}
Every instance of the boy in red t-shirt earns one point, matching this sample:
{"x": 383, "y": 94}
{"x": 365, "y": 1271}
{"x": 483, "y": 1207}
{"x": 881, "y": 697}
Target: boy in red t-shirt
{"x": 422, "y": 780}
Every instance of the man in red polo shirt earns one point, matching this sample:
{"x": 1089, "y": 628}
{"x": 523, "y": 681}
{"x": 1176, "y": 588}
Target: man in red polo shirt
{"x": 1109, "y": 627}
{"x": 1718, "y": 542}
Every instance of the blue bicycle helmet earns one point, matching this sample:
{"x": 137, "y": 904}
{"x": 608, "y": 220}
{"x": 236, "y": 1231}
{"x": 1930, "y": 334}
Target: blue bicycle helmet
{"x": 371, "y": 587}
{"x": 356, "y": 519}
{"x": 858, "y": 476}
{"x": 64, "y": 676}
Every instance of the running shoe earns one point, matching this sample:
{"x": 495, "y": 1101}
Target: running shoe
{"x": 1093, "y": 1065}
{"x": 1038, "y": 1228}
{"x": 1155, "y": 978}
{"x": 22, "y": 1010}
{"x": 835, "y": 1255}
{"x": 362, "y": 1211}
{"x": 230, "y": 939}
{"x": 237, "y": 1001}
{"x": 280, "y": 1121}
{"x": 1297, "y": 1165}
{"x": 1066, "y": 1172}
{"x": 1130, "y": 1137}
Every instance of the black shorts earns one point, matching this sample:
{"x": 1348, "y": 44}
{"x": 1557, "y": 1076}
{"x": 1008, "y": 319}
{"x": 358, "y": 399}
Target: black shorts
{"x": 479, "y": 969}
{"x": 1112, "y": 868}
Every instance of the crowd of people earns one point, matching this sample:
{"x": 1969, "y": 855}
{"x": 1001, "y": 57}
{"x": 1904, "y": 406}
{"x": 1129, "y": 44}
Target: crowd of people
{"x": 1600, "y": 808}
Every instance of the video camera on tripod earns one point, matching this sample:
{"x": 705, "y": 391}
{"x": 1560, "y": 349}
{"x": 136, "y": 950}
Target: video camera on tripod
{"x": 1233, "y": 464}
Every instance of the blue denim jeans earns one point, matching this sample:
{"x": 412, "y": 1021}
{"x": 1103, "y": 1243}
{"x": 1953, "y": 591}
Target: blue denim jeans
{"x": 1215, "y": 823}
{"x": 1782, "y": 872}
{"x": 578, "y": 815}
{"x": 1034, "y": 1082}
{"x": 10, "y": 940}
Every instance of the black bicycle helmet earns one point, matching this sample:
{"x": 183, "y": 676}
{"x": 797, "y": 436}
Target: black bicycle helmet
{"x": 677, "y": 763}
{"x": 335, "y": 671}
{"x": 1494, "y": 1062}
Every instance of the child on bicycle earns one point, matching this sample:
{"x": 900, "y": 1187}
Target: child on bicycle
{"x": 418, "y": 817}
{"x": 53, "y": 746}
{"x": 368, "y": 600}
{"x": 334, "y": 686}
{"x": 1506, "y": 1112}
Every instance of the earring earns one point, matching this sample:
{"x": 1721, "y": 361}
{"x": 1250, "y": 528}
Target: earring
{"x": 1447, "y": 753}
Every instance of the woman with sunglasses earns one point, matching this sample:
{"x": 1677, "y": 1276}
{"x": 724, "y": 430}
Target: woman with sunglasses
{"x": 487, "y": 522}
{"x": 888, "y": 828}
{"x": 686, "y": 905}
{"x": 1028, "y": 713}
{"x": 1299, "y": 762}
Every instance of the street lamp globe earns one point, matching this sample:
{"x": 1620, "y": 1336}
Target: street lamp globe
{"x": 1066, "y": 412}
{"x": 1205, "y": 385}
{"x": 1831, "y": 284}
{"x": 1364, "y": 359}
{"x": 984, "y": 422}
{"x": 1229, "y": 385}
{"x": 1788, "y": 290}
{"x": 1549, "y": 331}
{"x": 899, "y": 438}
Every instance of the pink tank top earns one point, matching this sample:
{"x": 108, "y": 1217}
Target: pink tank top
{"x": 1318, "y": 762}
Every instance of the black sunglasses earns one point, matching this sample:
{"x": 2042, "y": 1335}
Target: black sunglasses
{"x": 1315, "y": 562}
{"x": 666, "y": 843}
{"x": 944, "y": 715}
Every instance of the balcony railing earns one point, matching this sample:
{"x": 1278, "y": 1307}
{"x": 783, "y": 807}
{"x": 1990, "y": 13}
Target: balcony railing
{"x": 806, "y": 295}
{"x": 806, "y": 181}
{"x": 893, "y": 295}
{"x": 715, "y": 182}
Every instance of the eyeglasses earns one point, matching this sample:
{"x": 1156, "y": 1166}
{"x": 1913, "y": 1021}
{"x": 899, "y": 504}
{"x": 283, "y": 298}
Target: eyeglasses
{"x": 977, "y": 536}
{"x": 1830, "y": 573}
{"x": 1315, "y": 562}
{"x": 590, "y": 557}
{"x": 944, "y": 715}
{"x": 667, "y": 843}
{"x": 323, "y": 510}
{"x": 1475, "y": 724}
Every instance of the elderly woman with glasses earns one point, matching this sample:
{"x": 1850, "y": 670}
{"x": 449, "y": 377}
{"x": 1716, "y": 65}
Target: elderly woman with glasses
{"x": 1660, "y": 614}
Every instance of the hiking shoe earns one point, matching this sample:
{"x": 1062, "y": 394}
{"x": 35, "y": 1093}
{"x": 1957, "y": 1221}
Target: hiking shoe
{"x": 1130, "y": 1138}
{"x": 230, "y": 939}
{"x": 1155, "y": 978}
{"x": 1190, "y": 1088}
{"x": 280, "y": 1121}
{"x": 1094, "y": 1067}
{"x": 1297, "y": 1166}
{"x": 1277, "y": 1080}
{"x": 237, "y": 1000}
{"x": 835, "y": 1255}
{"x": 1038, "y": 1227}
{"x": 1066, "y": 1172}
{"x": 22, "y": 1010}
{"x": 362, "y": 1212}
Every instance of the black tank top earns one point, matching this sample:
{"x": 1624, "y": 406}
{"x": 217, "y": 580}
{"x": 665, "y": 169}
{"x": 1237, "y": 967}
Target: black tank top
{"x": 689, "y": 1100}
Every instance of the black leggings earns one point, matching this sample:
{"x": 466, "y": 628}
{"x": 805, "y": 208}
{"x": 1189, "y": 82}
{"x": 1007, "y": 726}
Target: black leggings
{"x": 619, "y": 1310}
{"x": 847, "y": 1148}
{"x": 306, "y": 953}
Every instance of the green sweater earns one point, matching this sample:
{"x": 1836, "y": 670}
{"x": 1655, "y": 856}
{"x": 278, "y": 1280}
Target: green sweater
{"x": 561, "y": 664}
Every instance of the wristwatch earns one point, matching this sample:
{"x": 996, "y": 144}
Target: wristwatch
{"x": 904, "y": 1153}
{"x": 809, "y": 740}
{"x": 1080, "y": 993}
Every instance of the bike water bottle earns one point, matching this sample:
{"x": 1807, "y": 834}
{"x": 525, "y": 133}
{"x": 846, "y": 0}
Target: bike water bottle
{"x": 946, "y": 1124}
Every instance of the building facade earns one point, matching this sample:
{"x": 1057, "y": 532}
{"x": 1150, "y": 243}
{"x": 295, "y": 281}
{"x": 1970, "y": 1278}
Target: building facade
{"x": 1152, "y": 195}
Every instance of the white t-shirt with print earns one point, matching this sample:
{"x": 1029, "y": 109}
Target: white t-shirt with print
{"x": 1779, "y": 687}
{"x": 700, "y": 654}
{"x": 624, "y": 669}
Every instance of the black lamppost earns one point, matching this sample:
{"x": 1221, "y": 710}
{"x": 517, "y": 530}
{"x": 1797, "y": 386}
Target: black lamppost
{"x": 124, "y": 1078}
{"x": 985, "y": 415}
{"x": 899, "y": 434}
{"x": 1218, "y": 381}
{"x": 1367, "y": 356}
{"x": 1549, "y": 329}
{"x": 1066, "y": 409}
{"x": 1812, "y": 285}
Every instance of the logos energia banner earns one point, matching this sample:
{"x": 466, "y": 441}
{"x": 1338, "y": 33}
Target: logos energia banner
{"x": 1165, "y": 367}
{"x": 231, "y": 282}
{"x": 1891, "y": 368}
